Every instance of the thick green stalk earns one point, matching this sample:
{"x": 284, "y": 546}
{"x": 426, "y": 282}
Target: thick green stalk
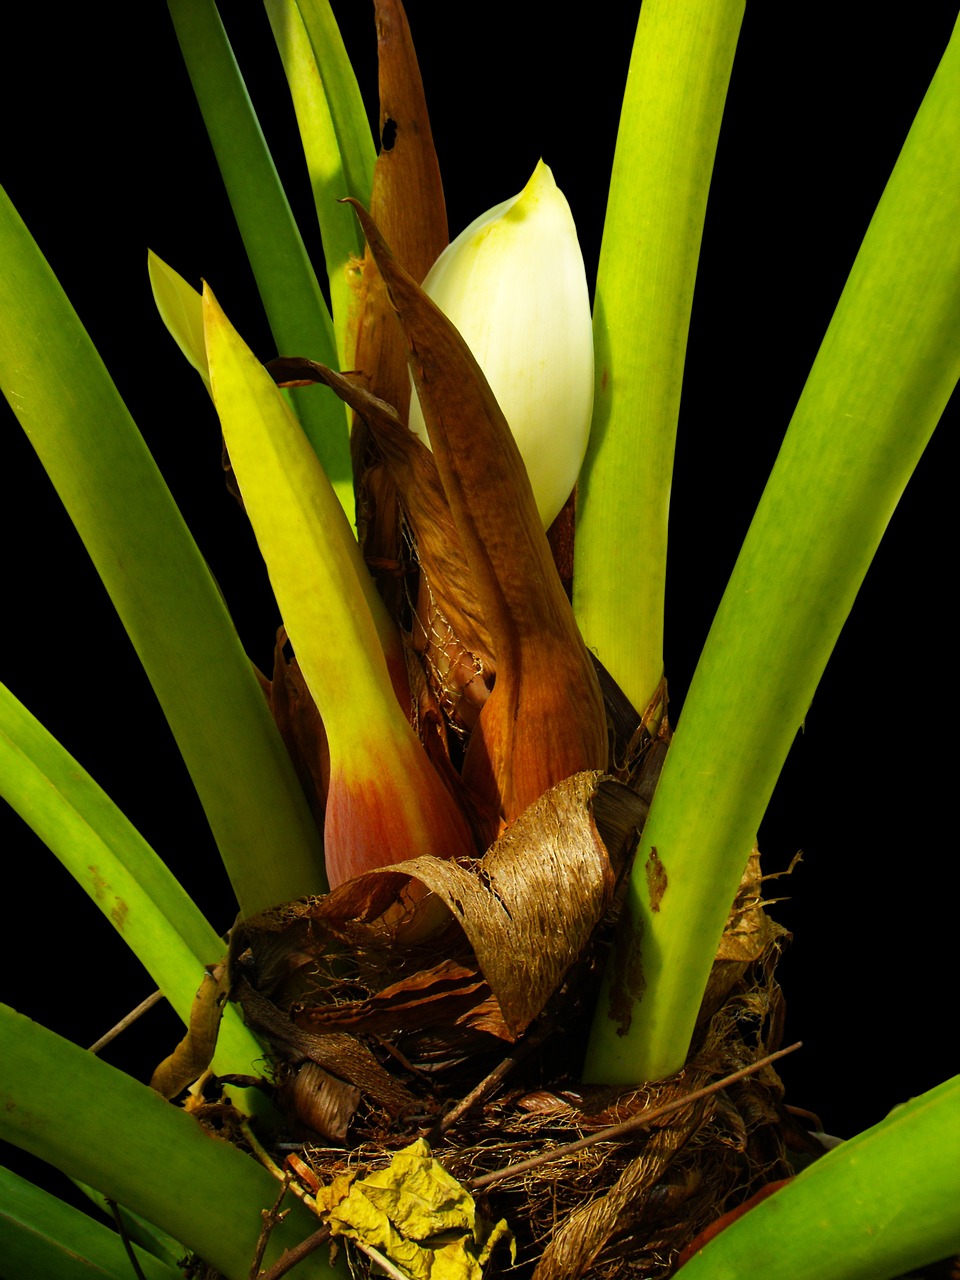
{"x": 157, "y": 579}
{"x": 887, "y": 366}
{"x": 298, "y": 316}
{"x": 335, "y": 133}
{"x": 109, "y": 858}
{"x": 100, "y": 1126}
{"x": 676, "y": 88}
{"x": 875, "y": 1207}
{"x": 41, "y": 1236}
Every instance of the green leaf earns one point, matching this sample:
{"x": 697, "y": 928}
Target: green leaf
{"x": 872, "y": 1208}
{"x": 109, "y": 858}
{"x": 886, "y": 369}
{"x": 335, "y": 133}
{"x": 181, "y": 312}
{"x": 157, "y": 579}
{"x": 298, "y": 315}
{"x": 670, "y": 121}
{"x": 385, "y": 801}
{"x": 102, "y": 1127}
{"x": 150, "y": 1238}
{"x": 41, "y": 1236}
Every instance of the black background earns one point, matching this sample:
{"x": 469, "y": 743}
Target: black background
{"x": 105, "y": 155}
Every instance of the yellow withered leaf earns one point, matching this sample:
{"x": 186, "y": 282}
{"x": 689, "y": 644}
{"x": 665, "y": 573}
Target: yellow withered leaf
{"x": 417, "y": 1215}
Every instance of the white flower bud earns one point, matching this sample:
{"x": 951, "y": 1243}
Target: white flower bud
{"x": 514, "y": 285}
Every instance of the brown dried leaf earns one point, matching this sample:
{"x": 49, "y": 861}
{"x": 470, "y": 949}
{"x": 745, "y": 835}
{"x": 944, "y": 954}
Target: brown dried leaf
{"x": 749, "y": 930}
{"x": 433, "y": 997}
{"x": 751, "y": 939}
{"x": 544, "y": 719}
{"x": 322, "y": 1102}
{"x": 194, "y": 1053}
{"x": 342, "y": 1055}
{"x": 529, "y": 907}
{"x": 448, "y": 626}
{"x": 407, "y": 200}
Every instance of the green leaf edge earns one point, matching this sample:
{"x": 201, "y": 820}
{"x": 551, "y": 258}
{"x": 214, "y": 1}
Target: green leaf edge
{"x": 314, "y": 563}
{"x": 890, "y": 359}
{"x": 872, "y": 1208}
{"x": 335, "y": 133}
{"x": 41, "y": 1235}
{"x": 297, "y": 313}
{"x": 157, "y": 579}
{"x": 119, "y": 871}
{"x": 104, "y": 1128}
{"x": 179, "y": 306}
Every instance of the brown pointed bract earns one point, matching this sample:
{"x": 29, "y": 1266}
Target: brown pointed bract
{"x": 544, "y": 719}
{"x": 448, "y": 629}
{"x": 407, "y": 201}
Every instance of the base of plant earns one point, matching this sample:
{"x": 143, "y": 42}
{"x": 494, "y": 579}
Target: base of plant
{"x": 376, "y": 1044}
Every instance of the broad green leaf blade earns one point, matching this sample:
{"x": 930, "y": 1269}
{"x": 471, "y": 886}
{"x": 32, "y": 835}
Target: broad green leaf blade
{"x": 158, "y": 581}
{"x": 181, "y": 312}
{"x": 875, "y": 1207}
{"x": 100, "y": 1126}
{"x": 886, "y": 369}
{"x": 335, "y": 133}
{"x": 43, "y": 1237}
{"x": 121, "y": 873}
{"x": 670, "y": 121}
{"x": 295, "y": 307}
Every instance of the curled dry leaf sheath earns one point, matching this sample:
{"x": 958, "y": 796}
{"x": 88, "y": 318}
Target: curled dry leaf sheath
{"x": 527, "y": 910}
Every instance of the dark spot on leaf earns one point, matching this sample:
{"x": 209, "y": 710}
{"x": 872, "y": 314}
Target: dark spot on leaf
{"x": 389, "y": 135}
{"x": 656, "y": 879}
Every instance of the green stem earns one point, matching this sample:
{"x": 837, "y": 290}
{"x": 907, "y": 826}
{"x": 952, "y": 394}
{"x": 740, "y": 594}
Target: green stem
{"x": 887, "y": 366}
{"x": 676, "y": 87}
{"x": 298, "y": 316}
{"x": 335, "y": 133}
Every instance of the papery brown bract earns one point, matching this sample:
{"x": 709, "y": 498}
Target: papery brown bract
{"x": 544, "y": 719}
{"x": 407, "y": 200}
{"x": 447, "y": 625}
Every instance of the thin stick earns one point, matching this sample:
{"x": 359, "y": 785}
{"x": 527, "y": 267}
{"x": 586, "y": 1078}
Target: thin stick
{"x": 635, "y": 1122}
{"x": 270, "y": 1219}
{"x": 122, "y": 1231}
{"x": 290, "y": 1257}
{"x": 382, "y": 1261}
{"x": 490, "y": 1082}
{"x": 126, "y": 1021}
